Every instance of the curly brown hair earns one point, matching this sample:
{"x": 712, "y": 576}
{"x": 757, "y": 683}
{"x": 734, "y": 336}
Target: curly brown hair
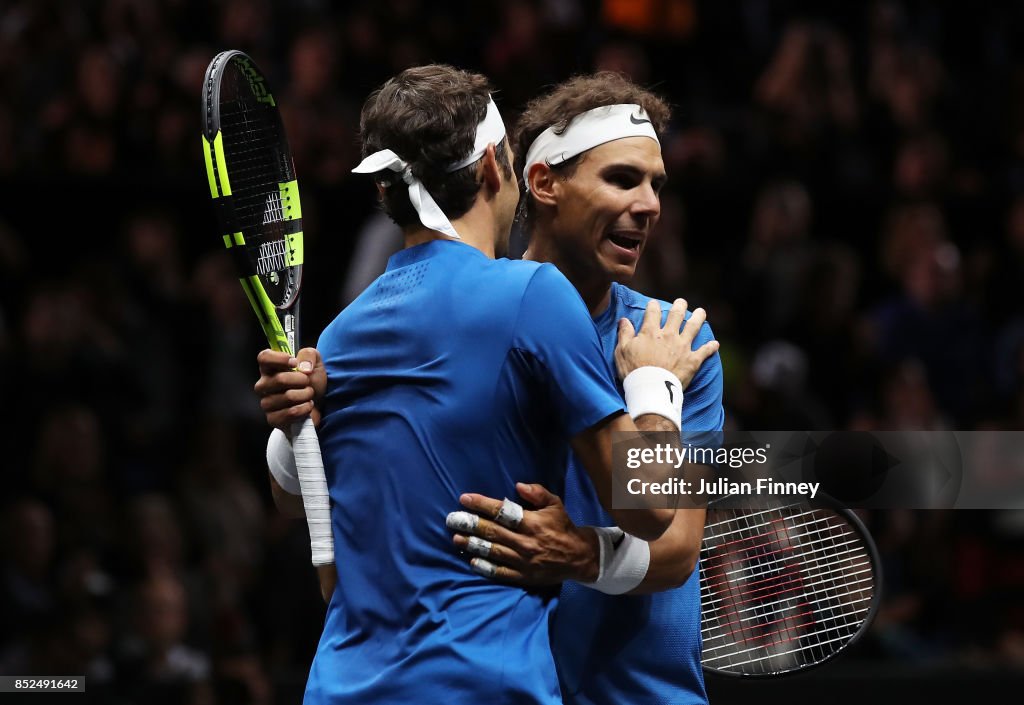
{"x": 428, "y": 116}
{"x": 567, "y": 100}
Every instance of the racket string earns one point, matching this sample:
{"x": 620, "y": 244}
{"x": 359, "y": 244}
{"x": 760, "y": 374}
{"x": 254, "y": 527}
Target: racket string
{"x": 778, "y": 577}
{"x": 259, "y": 162}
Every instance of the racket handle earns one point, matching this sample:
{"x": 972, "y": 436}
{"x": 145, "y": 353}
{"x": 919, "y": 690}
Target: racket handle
{"x": 313, "y": 483}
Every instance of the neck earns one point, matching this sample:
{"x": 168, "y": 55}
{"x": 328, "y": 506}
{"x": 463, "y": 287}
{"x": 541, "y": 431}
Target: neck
{"x": 476, "y": 228}
{"x": 596, "y": 291}
{"x": 420, "y": 235}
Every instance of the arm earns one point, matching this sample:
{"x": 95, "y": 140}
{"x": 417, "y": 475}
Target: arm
{"x": 594, "y": 449}
{"x": 669, "y": 348}
{"x": 288, "y": 387}
{"x": 288, "y": 504}
{"x": 553, "y": 328}
{"x": 674, "y": 555}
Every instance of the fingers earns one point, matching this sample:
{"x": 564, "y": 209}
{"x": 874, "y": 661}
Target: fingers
{"x": 272, "y": 361}
{"x": 627, "y": 333}
{"x": 693, "y": 325}
{"x": 466, "y": 523}
{"x": 537, "y": 495}
{"x": 652, "y": 317}
{"x": 494, "y": 566}
{"x": 505, "y": 512}
{"x": 676, "y": 315}
{"x": 510, "y": 515}
{"x": 707, "y": 350}
{"x": 274, "y": 397}
{"x": 487, "y": 569}
{"x": 307, "y": 359}
{"x": 626, "y": 330}
{"x": 493, "y": 552}
{"x": 475, "y": 545}
{"x": 280, "y": 381}
{"x": 284, "y": 418}
{"x": 485, "y": 506}
{"x": 286, "y": 407}
{"x": 288, "y": 385}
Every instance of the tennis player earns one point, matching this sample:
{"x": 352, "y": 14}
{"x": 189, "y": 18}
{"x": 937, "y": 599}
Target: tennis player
{"x": 592, "y": 167}
{"x": 456, "y": 370}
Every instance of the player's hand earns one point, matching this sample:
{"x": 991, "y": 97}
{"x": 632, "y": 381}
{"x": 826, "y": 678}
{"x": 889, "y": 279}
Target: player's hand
{"x": 544, "y": 548}
{"x": 288, "y": 386}
{"x": 670, "y": 347}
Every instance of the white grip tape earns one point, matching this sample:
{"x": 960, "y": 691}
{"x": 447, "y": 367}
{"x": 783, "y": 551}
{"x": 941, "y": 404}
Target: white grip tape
{"x": 624, "y": 561}
{"x": 315, "y": 498}
{"x": 654, "y": 390}
{"x": 281, "y": 462}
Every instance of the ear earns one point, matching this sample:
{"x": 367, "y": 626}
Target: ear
{"x": 490, "y": 171}
{"x": 543, "y": 184}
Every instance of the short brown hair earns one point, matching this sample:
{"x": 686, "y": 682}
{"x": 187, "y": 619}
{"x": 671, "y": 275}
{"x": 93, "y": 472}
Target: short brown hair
{"x": 428, "y": 116}
{"x": 569, "y": 99}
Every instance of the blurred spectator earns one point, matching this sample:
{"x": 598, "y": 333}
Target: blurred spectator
{"x": 155, "y": 665}
{"x": 776, "y": 397}
{"x": 231, "y": 338}
{"x": 905, "y": 76}
{"x": 809, "y": 86}
{"x": 919, "y": 170}
{"x": 320, "y": 125}
{"x": 930, "y": 322}
{"x": 653, "y": 18}
{"x": 777, "y": 258}
{"x": 69, "y": 466}
{"x": 26, "y": 574}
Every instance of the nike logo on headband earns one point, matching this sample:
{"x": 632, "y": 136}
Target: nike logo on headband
{"x": 556, "y": 159}
{"x": 637, "y": 121}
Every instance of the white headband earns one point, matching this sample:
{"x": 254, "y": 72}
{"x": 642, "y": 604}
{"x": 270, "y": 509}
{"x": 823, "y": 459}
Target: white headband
{"x": 490, "y": 131}
{"x": 586, "y": 131}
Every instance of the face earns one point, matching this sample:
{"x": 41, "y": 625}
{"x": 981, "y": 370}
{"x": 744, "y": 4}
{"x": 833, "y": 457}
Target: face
{"x": 508, "y": 199}
{"x": 607, "y": 209}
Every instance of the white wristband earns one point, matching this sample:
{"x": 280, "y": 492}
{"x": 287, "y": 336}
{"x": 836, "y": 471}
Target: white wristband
{"x": 281, "y": 461}
{"x": 654, "y": 390}
{"x": 624, "y": 561}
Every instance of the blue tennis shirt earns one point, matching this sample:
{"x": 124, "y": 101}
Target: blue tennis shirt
{"x": 451, "y": 373}
{"x": 636, "y": 649}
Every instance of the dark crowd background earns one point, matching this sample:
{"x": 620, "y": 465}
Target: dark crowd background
{"x": 846, "y": 199}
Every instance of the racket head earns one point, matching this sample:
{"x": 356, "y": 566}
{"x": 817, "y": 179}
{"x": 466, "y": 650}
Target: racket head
{"x": 784, "y": 588}
{"x": 252, "y": 182}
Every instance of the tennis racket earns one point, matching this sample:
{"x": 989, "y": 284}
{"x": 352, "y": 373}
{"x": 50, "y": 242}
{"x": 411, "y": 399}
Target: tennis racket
{"x": 252, "y": 182}
{"x": 784, "y": 588}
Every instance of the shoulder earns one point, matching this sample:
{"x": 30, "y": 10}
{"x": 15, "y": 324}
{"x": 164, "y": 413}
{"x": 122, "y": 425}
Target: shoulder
{"x": 633, "y": 304}
{"x": 510, "y": 277}
{"x": 543, "y": 282}
{"x": 332, "y": 330}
